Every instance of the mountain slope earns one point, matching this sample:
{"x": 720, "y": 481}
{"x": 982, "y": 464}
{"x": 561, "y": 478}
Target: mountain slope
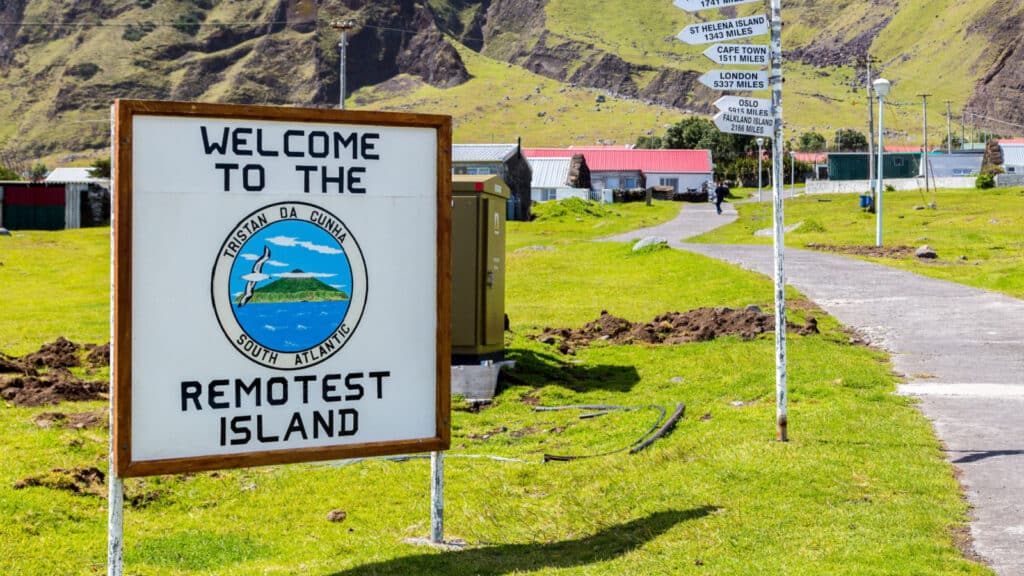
{"x": 483, "y": 61}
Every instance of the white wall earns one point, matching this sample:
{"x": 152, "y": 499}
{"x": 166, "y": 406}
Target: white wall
{"x": 686, "y": 180}
{"x": 864, "y": 186}
{"x": 1009, "y": 180}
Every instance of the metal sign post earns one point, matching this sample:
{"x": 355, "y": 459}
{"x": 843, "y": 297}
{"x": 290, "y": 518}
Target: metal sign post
{"x": 752, "y": 117}
{"x": 437, "y": 497}
{"x": 778, "y": 228}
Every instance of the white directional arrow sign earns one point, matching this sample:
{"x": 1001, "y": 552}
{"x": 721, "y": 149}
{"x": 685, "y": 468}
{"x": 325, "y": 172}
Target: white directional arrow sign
{"x": 752, "y": 54}
{"x": 744, "y": 105}
{"x": 744, "y": 124}
{"x": 695, "y": 5}
{"x": 735, "y": 29}
{"x": 735, "y": 79}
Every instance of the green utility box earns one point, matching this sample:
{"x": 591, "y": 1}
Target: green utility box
{"x": 478, "y": 268}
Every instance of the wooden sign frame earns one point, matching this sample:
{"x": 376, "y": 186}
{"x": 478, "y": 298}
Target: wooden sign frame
{"x": 124, "y": 114}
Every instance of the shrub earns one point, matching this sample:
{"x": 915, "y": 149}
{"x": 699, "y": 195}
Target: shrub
{"x": 984, "y": 181}
{"x": 810, "y": 226}
{"x": 84, "y": 70}
{"x": 134, "y": 33}
{"x": 569, "y": 207}
{"x": 144, "y": 3}
{"x": 189, "y": 23}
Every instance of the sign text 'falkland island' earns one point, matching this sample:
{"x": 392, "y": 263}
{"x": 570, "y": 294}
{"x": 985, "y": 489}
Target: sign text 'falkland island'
{"x": 744, "y": 54}
{"x": 735, "y": 79}
{"x": 718, "y": 30}
{"x": 697, "y": 5}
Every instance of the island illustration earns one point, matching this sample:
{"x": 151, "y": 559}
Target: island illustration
{"x": 295, "y": 288}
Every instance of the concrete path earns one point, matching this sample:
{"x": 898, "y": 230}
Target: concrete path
{"x": 961, "y": 350}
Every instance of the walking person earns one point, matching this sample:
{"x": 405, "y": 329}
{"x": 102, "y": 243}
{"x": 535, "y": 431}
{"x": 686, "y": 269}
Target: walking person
{"x": 721, "y": 191}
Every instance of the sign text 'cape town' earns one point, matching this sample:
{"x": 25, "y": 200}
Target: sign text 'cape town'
{"x": 718, "y": 30}
{"x": 742, "y": 54}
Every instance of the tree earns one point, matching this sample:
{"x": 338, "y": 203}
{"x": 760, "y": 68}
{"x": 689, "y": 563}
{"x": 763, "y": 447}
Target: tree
{"x": 695, "y": 133}
{"x": 8, "y": 174}
{"x": 650, "y": 142}
{"x": 38, "y": 172}
{"x": 850, "y": 140}
{"x": 100, "y": 168}
{"x": 810, "y": 142}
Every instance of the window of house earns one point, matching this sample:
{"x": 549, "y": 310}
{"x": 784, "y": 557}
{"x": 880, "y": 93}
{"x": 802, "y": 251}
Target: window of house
{"x": 548, "y": 194}
{"x": 632, "y": 182}
{"x": 673, "y": 182}
{"x": 898, "y": 162}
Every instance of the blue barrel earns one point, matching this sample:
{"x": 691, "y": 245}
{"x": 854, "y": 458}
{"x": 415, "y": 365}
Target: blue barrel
{"x": 865, "y": 201}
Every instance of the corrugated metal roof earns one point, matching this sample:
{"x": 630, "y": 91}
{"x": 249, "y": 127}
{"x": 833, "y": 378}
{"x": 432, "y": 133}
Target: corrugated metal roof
{"x": 1011, "y": 141}
{"x": 72, "y": 176}
{"x": 550, "y": 172}
{"x": 666, "y": 161}
{"x": 482, "y": 152}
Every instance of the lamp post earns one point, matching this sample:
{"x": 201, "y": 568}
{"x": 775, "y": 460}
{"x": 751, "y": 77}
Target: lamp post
{"x": 760, "y": 143}
{"x": 792, "y": 174}
{"x": 344, "y": 26}
{"x": 882, "y": 87}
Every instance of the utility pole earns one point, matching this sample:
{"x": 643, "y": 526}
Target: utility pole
{"x": 871, "y": 132}
{"x": 924, "y": 140}
{"x": 344, "y": 26}
{"x": 949, "y": 130}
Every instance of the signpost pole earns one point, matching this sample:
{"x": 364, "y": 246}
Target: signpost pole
{"x": 778, "y": 228}
{"x": 437, "y": 497}
{"x": 115, "y": 524}
{"x": 115, "y": 486}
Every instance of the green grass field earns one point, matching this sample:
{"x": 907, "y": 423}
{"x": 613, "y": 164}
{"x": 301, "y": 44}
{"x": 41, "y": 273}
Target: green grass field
{"x": 983, "y": 226}
{"x": 861, "y": 488}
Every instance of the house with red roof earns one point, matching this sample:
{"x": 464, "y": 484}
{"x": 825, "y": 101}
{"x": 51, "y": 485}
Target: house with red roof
{"x": 629, "y": 169}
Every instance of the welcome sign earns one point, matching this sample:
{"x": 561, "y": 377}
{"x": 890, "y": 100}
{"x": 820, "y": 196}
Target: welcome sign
{"x": 281, "y": 285}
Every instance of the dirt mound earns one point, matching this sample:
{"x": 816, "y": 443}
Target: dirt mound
{"x": 61, "y": 353}
{"x": 42, "y": 377}
{"x": 99, "y": 355}
{"x": 76, "y": 480}
{"x": 697, "y": 325}
{"x": 876, "y": 251}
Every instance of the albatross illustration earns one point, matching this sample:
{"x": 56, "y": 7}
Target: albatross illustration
{"x": 257, "y": 268}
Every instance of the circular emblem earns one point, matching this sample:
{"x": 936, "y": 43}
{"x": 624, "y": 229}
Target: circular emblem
{"x": 289, "y": 285}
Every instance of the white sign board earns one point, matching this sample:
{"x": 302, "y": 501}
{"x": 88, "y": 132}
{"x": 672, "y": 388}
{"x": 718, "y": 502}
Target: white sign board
{"x": 735, "y": 79}
{"x": 745, "y": 124}
{"x": 745, "y": 105}
{"x": 747, "y": 54}
{"x": 719, "y": 30}
{"x": 697, "y": 5}
{"x": 278, "y": 285}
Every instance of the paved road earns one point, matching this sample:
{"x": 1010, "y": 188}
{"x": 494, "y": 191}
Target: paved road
{"x": 961, "y": 350}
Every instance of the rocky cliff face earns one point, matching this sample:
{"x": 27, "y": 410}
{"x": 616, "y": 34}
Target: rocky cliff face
{"x": 998, "y": 94}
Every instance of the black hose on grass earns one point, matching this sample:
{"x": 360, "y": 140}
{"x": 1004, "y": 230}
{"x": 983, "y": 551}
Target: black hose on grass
{"x": 648, "y": 438}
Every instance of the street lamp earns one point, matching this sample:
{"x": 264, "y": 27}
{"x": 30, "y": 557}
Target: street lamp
{"x": 344, "y": 26}
{"x": 760, "y": 143}
{"x": 882, "y": 90}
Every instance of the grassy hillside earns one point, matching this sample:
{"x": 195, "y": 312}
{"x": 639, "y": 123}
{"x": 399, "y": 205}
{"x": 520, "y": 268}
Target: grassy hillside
{"x": 60, "y": 83}
{"x": 503, "y": 102}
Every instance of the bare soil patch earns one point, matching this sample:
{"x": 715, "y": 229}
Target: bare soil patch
{"x": 42, "y": 377}
{"x": 83, "y": 481}
{"x": 875, "y": 251}
{"x": 699, "y": 325}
